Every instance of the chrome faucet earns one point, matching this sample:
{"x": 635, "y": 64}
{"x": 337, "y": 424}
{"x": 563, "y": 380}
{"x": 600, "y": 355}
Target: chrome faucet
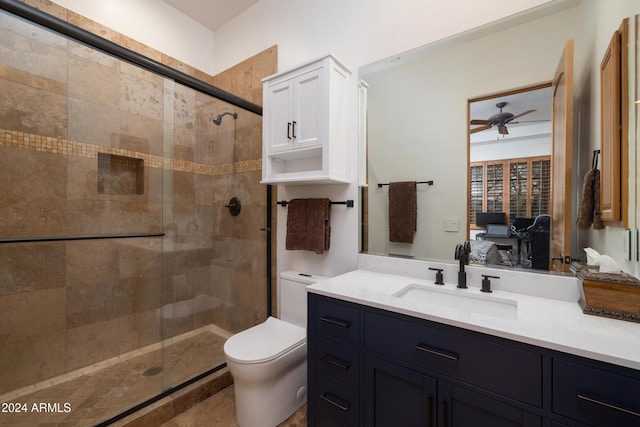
{"x": 462, "y": 255}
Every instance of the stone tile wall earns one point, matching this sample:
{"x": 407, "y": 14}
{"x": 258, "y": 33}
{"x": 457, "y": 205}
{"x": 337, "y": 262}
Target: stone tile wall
{"x": 68, "y": 305}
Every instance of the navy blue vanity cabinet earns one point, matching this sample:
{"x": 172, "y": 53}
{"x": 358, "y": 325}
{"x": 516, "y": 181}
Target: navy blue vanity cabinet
{"x": 437, "y": 377}
{"x": 372, "y": 367}
{"x": 496, "y": 367}
{"x": 599, "y": 395}
{"x": 334, "y": 362}
{"x": 396, "y": 396}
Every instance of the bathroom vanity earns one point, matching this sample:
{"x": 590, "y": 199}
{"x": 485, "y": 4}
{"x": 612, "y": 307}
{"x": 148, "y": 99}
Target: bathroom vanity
{"x": 390, "y": 350}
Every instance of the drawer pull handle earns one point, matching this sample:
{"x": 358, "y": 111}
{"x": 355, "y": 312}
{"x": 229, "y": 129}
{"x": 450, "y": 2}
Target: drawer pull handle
{"x": 289, "y": 130}
{"x": 608, "y": 405}
{"x": 441, "y": 353}
{"x": 340, "y": 405}
{"x": 335, "y": 361}
{"x": 336, "y": 322}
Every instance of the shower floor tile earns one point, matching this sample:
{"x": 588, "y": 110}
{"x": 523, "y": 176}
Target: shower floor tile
{"x": 99, "y": 394}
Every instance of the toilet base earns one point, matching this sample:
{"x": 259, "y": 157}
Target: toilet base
{"x": 271, "y": 404}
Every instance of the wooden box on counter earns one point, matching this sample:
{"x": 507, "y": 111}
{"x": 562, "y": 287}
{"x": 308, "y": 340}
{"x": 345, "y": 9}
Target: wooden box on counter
{"x": 608, "y": 294}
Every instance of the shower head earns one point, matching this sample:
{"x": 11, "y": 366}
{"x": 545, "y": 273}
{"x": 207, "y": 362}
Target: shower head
{"x": 218, "y": 119}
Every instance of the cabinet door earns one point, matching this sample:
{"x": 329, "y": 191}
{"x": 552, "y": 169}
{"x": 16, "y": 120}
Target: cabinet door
{"x": 309, "y": 106}
{"x": 279, "y": 116}
{"x": 395, "y": 396}
{"x": 610, "y": 130}
{"x": 460, "y": 407}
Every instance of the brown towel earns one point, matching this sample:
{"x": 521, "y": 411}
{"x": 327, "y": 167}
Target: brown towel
{"x": 402, "y": 211}
{"x": 589, "y": 208}
{"x": 597, "y": 219}
{"x": 308, "y": 226}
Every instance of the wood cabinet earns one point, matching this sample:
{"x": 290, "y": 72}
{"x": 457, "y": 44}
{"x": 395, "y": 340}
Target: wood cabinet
{"x": 371, "y": 367}
{"x": 305, "y": 124}
{"x": 614, "y": 106}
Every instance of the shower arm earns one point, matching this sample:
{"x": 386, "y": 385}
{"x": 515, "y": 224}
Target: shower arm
{"x": 217, "y": 120}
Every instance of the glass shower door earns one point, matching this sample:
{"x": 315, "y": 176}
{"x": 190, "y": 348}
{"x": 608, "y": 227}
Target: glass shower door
{"x": 214, "y": 281}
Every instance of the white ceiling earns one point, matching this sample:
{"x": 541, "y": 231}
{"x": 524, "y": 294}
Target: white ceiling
{"x": 211, "y": 13}
{"x": 215, "y": 13}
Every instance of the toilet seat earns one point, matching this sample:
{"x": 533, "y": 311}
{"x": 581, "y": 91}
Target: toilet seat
{"x": 264, "y": 342}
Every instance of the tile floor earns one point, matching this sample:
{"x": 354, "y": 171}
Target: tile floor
{"x": 219, "y": 411}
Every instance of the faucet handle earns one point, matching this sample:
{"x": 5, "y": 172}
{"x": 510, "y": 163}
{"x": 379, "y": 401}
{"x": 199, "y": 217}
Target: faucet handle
{"x": 438, "y": 271}
{"x": 486, "y": 283}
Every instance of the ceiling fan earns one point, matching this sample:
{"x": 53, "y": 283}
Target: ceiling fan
{"x": 500, "y": 120}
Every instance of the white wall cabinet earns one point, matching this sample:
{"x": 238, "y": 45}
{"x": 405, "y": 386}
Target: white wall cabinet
{"x": 305, "y": 132}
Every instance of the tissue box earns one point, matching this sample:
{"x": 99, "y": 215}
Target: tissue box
{"x": 609, "y": 295}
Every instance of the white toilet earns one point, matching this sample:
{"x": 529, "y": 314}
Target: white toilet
{"x": 268, "y": 362}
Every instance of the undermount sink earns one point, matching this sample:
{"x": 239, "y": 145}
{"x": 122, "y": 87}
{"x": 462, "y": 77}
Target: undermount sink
{"x": 460, "y": 300}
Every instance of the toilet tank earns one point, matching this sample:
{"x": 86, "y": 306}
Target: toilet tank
{"x": 292, "y": 296}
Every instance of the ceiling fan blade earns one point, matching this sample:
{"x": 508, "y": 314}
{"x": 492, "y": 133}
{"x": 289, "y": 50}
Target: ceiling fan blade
{"x": 519, "y": 115}
{"x": 480, "y": 129}
{"x": 502, "y": 130}
{"x": 480, "y": 122}
{"x": 529, "y": 121}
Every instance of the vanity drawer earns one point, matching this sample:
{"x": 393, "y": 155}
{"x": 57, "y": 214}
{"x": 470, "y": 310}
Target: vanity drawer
{"x": 337, "y": 402}
{"x": 336, "y": 321}
{"x": 495, "y": 367}
{"x": 340, "y": 363}
{"x": 595, "y": 396}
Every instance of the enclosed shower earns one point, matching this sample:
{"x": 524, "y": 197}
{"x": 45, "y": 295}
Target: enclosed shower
{"x": 122, "y": 270}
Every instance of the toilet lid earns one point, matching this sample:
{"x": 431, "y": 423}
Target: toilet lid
{"x": 264, "y": 342}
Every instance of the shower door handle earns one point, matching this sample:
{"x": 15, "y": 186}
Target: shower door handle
{"x": 289, "y": 130}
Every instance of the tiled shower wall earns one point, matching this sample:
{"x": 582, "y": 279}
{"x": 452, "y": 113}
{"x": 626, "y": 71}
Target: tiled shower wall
{"x": 68, "y": 305}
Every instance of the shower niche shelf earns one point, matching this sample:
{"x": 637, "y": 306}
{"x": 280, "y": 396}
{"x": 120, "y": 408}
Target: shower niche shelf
{"x": 120, "y": 174}
{"x": 305, "y": 128}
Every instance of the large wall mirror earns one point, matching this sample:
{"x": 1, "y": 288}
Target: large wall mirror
{"x": 420, "y": 104}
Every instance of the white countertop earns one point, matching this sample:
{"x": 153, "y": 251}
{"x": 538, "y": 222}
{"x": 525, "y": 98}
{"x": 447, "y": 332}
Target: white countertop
{"x": 550, "y": 323}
